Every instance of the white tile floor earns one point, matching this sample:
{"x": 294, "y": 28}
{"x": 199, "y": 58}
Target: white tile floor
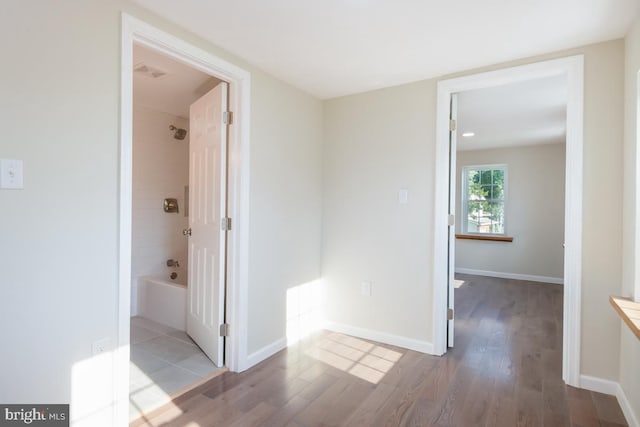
{"x": 163, "y": 361}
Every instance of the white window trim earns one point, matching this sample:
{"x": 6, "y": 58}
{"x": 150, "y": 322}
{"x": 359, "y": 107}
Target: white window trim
{"x": 464, "y": 191}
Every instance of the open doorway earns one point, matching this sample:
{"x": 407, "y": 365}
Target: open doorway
{"x": 510, "y": 174}
{"x": 179, "y": 250}
{"x": 507, "y": 192}
{"x": 571, "y": 70}
{"x": 136, "y": 32}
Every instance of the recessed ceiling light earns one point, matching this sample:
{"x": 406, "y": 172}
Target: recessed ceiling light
{"x": 468, "y": 134}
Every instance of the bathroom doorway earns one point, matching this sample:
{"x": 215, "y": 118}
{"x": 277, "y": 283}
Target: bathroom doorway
{"x": 137, "y": 32}
{"x": 178, "y": 257}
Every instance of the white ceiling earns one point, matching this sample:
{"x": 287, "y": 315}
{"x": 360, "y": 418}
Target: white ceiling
{"x": 525, "y": 113}
{"x": 172, "y": 93}
{"x": 336, "y": 47}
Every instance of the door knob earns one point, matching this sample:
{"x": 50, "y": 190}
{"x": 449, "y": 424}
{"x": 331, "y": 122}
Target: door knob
{"x": 186, "y": 232}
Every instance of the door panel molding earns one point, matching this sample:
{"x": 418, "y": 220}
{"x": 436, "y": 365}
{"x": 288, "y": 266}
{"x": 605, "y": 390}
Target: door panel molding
{"x": 208, "y": 205}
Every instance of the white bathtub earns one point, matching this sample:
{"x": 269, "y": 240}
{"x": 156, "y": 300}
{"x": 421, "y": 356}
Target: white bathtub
{"x": 162, "y": 301}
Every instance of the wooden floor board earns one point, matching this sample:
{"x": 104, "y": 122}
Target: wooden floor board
{"x": 505, "y": 370}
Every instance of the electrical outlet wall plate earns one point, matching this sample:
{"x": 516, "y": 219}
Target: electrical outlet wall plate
{"x": 101, "y": 346}
{"x": 365, "y": 288}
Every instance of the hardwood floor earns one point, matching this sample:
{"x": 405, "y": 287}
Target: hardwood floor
{"x": 505, "y": 370}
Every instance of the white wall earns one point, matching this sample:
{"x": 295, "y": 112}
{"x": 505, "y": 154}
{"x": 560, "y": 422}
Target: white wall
{"x": 534, "y": 214}
{"x": 380, "y": 141}
{"x": 160, "y": 170}
{"x": 59, "y": 276}
{"x": 630, "y": 345}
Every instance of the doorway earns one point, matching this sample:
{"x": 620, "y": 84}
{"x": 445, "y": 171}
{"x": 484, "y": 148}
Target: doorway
{"x": 179, "y": 249}
{"x": 572, "y": 70}
{"x": 142, "y": 34}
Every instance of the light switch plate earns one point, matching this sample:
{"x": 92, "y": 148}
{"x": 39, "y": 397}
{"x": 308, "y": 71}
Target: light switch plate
{"x": 11, "y": 174}
{"x": 365, "y": 288}
{"x": 403, "y": 196}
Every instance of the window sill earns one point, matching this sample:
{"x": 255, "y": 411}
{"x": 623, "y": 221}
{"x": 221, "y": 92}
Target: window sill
{"x": 629, "y": 311}
{"x": 481, "y": 237}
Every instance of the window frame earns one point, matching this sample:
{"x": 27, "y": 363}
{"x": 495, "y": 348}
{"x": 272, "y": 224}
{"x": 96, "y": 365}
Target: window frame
{"x": 464, "y": 212}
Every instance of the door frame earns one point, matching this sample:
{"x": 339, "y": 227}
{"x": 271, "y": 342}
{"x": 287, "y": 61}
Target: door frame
{"x": 239, "y": 80}
{"x": 573, "y": 68}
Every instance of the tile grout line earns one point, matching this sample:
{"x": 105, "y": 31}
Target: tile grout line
{"x": 174, "y": 364}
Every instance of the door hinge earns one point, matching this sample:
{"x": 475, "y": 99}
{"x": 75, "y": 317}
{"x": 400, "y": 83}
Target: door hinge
{"x": 450, "y": 314}
{"x": 452, "y": 220}
{"x": 452, "y": 125}
{"x": 224, "y": 330}
{"x": 227, "y": 117}
{"x": 225, "y": 224}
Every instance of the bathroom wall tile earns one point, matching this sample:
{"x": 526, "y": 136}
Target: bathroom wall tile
{"x": 160, "y": 170}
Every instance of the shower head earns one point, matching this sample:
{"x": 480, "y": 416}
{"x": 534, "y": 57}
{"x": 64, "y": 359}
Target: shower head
{"x": 180, "y": 133}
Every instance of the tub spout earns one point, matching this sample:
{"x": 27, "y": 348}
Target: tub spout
{"x": 173, "y": 263}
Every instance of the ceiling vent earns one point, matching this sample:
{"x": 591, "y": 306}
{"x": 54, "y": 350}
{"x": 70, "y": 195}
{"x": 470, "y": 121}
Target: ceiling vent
{"x": 147, "y": 71}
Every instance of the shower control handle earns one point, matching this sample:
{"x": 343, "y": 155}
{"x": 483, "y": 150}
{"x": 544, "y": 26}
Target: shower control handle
{"x": 186, "y": 232}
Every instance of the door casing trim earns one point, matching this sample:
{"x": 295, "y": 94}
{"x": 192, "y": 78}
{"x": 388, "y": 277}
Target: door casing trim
{"x": 573, "y": 68}
{"x": 136, "y": 31}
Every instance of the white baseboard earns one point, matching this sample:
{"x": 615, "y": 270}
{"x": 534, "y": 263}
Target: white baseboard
{"x": 598, "y": 384}
{"x": 265, "y": 352}
{"x": 516, "y": 276}
{"x": 633, "y": 419}
{"x": 382, "y": 337}
{"x": 613, "y": 388}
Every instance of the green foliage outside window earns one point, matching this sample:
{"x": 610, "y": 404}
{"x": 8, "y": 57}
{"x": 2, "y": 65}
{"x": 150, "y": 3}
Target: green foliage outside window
{"x": 485, "y": 189}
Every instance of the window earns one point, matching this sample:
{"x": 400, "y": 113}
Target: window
{"x": 483, "y": 199}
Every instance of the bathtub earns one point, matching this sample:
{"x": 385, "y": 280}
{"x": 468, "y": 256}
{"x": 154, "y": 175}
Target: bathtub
{"x": 163, "y": 301}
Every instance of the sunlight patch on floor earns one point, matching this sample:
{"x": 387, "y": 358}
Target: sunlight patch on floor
{"x": 457, "y": 283}
{"x": 360, "y": 358}
{"x": 144, "y": 394}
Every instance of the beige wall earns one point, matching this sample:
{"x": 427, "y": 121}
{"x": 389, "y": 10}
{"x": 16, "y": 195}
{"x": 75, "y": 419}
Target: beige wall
{"x": 630, "y": 345}
{"x": 534, "y": 214}
{"x": 59, "y": 251}
{"x": 375, "y": 144}
{"x": 286, "y": 198}
{"x": 380, "y": 141}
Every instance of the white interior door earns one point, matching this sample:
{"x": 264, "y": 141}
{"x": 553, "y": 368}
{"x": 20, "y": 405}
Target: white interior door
{"x": 207, "y": 208}
{"x": 452, "y": 219}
